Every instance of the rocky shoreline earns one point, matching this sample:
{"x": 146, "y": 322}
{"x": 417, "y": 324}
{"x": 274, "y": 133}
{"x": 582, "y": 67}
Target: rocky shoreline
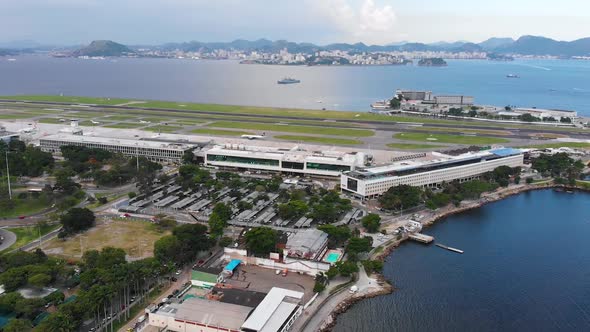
{"x": 386, "y": 287}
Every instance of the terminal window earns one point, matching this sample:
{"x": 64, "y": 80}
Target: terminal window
{"x": 328, "y": 167}
{"x": 243, "y": 160}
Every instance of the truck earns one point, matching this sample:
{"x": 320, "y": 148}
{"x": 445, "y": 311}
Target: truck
{"x": 141, "y": 319}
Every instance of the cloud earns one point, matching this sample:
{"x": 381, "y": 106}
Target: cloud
{"x": 368, "y": 22}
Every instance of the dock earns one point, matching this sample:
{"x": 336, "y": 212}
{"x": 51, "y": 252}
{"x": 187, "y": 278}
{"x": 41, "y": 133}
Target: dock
{"x": 449, "y": 248}
{"x": 421, "y": 237}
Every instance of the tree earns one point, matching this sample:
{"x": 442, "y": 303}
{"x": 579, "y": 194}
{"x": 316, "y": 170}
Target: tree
{"x": 347, "y": 268}
{"x": 394, "y": 103}
{"x": 401, "y": 197}
{"x": 371, "y": 222}
{"x": 360, "y": 244}
{"x": 167, "y": 248}
{"x": 216, "y": 225}
{"x": 77, "y": 219}
{"x": 337, "y": 235}
{"x": 188, "y": 157}
{"x": 39, "y": 280}
{"x": 192, "y": 239}
{"x": 261, "y": 240}
{"x": 225, "y": 241}
{"x": 131, "y": 194}
{"x": 528, "y": 118}
{"x": 223, "y": 211}
{"x": 18, "y": 325}
{"x": 292, "y": 210}
{"x": 373, "y": 265}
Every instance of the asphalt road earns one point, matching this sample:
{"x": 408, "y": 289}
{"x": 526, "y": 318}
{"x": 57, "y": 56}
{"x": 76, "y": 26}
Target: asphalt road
{"x": 9, "y": 238}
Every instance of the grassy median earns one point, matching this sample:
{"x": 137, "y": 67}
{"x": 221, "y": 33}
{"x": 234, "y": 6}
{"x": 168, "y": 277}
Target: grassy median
{"x": 319, "y": 139}
{"x": 293, "y": 128}
{"x": 451, "y": 139}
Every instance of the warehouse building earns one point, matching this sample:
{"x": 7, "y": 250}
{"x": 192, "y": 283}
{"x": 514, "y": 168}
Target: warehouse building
{"x": 152, "y": 150}
{"x": 294, "y": 160}
{"x": 437, "y": 168}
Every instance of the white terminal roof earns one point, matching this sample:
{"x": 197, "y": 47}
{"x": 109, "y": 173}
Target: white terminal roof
{"x": 294, "y": 154}
{"x": 309, "y": 240}
{"x": 273, "y": 311}
{"x": 436, "y": 158}
{"x": 212, "y": 313}
{"x": 117, "y": 141}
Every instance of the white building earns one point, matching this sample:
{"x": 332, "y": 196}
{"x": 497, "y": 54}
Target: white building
{"x": 415, "y": 95}
{"x": 156, "y": 151}
{"x": 374, "y": 181}
{"x": 546, "y": 113}
{"x": 294, "y": 160}
{"x": 276, "y": 313}
{"x": 454, "y": 100}
{"x": 200, "y": 315}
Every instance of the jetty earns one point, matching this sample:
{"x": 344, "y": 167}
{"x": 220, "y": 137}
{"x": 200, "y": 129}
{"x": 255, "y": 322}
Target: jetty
{"x": 421, "y": 238}
{"x": 449, "y": 248}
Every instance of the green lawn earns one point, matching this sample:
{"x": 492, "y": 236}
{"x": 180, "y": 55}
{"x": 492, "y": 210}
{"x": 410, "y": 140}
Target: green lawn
{"x": 221, "y": 132}
{"x": 462, "y": 130}
{"x": 26, "y": 235}
{"x": 188, "y": 122}
{"x": 125, "y": 125}
{"x": 293, "y": 128}
{"x": 51, "y": 120}
{"x": 24, "y": 207}
{"x": 69, "y": 99}
{"x": 13, "y": 116}
{"x": 452, "y": 139}
{"x": 164, "y": 129}
{"x": 120, "y": 117}
{"x": 578, "y": 145}
{"x": 412, "y": 146}
{"x": 318, "y": 139}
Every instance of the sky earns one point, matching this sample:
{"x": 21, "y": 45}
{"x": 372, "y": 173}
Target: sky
{"x": 70, "y": 22}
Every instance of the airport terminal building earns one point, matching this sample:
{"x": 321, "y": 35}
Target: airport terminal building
{"x": 152, "y": 150}
{"x": 370, "y": 182}
{"x": 294, "y": 160}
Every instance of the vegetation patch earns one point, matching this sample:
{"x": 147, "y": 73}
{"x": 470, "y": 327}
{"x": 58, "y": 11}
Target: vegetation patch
{"x": 10, "y": 116}
{"x": 50, "y": 120}
{"x": 462, "y": 130}
{"x": 411, "y": 146}
{"x": 137, "y": 238}
{"x": 452, "y": 139}
{"x": 220, "y": 132}
{"x": 318, "y": 139}
{"x": 120, "y": 117}
{"x": 575, "y": 145}
{"x": 26, "y": 235}
{"x": 125, "y": 125}
{"x": 164, "y": 129}
{"x": 293, "y": 129}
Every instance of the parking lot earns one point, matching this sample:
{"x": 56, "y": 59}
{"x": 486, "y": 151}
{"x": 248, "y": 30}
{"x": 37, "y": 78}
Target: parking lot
{"x": 262, "y": 280}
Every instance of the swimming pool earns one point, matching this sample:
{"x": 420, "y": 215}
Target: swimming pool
{"x": 332, "y": 257}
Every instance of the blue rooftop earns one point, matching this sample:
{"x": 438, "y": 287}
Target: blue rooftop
{"x": 231, "y": 266}
{"x": 504, "y": 152}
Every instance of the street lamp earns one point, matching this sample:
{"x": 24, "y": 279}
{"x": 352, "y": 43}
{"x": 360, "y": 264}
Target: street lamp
{"x": 8, "y": 174}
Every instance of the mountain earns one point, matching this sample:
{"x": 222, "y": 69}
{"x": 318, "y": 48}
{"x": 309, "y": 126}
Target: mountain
{"x": 535, "y": 45}
{"x": 493, "y": 43}
{"x": 103, "y": 48}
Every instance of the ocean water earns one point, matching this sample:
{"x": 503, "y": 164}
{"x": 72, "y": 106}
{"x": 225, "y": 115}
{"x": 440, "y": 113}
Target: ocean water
{"x": 562, "y": 84}
{"x": 526, "y": 267}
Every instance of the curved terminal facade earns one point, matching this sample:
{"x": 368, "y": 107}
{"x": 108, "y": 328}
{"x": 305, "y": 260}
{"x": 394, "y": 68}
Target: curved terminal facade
{"x": 432, "y": 172}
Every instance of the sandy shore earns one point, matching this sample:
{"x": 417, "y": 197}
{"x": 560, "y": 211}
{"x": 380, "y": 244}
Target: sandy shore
{"x": 384, "y": 287}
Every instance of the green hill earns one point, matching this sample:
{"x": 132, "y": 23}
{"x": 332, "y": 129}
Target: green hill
{"x": 103, "y": 48}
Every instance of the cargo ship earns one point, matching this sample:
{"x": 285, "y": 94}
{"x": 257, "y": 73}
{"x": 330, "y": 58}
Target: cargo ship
{"x": 288, "y": 80}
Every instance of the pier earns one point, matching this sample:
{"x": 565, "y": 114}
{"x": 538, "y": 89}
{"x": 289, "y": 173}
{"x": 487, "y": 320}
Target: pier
{"x": 422, "y": 238}
{"x": 459, "y": 251}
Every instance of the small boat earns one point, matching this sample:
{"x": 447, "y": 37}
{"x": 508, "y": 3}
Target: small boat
{"x": 288, "y": 80}
{"x": 512, "y": 76}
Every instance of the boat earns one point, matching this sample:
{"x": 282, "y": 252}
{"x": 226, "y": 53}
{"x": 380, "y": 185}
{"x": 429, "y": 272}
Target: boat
{"x": 512, "y": 76}
{"x": 459, "y": 251}
{"x": 380, "y": 105}
{"x": 288, "y": 80}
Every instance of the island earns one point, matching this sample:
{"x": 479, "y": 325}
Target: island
{"x": 432, "y": 62}
{"x": 102, "y": 48}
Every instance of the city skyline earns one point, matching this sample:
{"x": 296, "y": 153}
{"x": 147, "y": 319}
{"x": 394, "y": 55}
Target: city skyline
{"x": 67, "y": 22}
